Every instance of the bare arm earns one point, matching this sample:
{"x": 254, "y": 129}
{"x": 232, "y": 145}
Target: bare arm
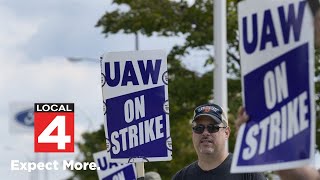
{"x": 241, "y": 118}
{"x": 306, "y": 172}
{"x": 315, "y": 9}
{"x": 317, "y": 28}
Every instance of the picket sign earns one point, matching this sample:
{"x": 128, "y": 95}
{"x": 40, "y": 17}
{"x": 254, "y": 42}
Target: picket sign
{"x": 136, "y": 107}
{"x": 277, "y": 72}
{"x": 110, "y": 171}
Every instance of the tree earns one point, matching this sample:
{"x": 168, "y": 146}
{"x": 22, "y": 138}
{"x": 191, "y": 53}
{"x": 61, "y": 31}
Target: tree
{"x": 170, "y": 18}
{"x": 186, "y": 88}
{"x": 182, "y": 82}
{"x": 93, "y": 142}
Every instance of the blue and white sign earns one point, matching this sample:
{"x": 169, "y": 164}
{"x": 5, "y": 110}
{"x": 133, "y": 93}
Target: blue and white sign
{"x": 136, "y": 106}
{"x": 21, "y": 117}
{"x": 112, "y": 171}
{"x": 277, "y": 64}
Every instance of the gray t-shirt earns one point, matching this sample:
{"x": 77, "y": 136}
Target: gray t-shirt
{"x": 194, "y": 172}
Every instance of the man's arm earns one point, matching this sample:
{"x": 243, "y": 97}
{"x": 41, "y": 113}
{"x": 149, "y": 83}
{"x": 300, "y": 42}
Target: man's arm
{"x": 242, "y": 117}
{"x": 315, "y": 8}
{"x": 317, "y": 28}
{"x": 306, "y": 172}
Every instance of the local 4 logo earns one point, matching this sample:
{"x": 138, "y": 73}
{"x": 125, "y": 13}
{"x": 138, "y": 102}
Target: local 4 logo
{"x": 53, "y": 127}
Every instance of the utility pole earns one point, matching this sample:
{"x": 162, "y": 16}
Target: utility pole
{"x": 220, "y": 66}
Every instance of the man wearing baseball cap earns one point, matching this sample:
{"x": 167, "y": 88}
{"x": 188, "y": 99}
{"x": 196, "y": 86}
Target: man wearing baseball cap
{"x": 210, "y": 136}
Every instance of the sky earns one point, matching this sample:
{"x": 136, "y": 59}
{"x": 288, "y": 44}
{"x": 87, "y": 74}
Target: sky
{"x": 36, "y": 39}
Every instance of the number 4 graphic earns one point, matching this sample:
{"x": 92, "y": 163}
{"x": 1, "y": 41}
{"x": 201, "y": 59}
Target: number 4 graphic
{"x": 61, "y": 139}
{"x": 54, "y": 132}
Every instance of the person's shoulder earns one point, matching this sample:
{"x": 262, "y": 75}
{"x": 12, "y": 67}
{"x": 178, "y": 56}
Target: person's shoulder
{"x": 184, "y": 171}
{"x": 178, "y": 175}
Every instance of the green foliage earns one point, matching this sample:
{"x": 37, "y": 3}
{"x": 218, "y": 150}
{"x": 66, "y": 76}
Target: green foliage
{"x": 93, "y": 142}
{"x": 234, "y": 102}
{"x": 187, "y": 89}
{"x": 170, "y": 18}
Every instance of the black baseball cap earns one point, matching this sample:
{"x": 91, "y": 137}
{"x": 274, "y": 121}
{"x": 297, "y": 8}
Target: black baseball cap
{"x": 212, "y": 110}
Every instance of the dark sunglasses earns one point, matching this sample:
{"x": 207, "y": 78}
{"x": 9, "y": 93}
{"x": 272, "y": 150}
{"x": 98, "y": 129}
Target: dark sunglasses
{"x": 199, "y": 129}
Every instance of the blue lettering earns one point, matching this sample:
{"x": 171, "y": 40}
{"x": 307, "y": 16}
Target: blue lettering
{"x": 112, "y": 165}
{"x": 115, "y": 81}
{"x": 292, "y": 22}
{"x": 119, "y": 176}
{"x": 268, "y": 36}
{"x": 129, "y": 74}
{"x": 149, "y": 71}
{"x": 250, "y": 47}
{"x": 104, "y": 165}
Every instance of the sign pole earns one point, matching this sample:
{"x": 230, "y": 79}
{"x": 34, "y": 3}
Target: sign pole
{"x": 140, "y": 170}
{"x": 220, "y": 65}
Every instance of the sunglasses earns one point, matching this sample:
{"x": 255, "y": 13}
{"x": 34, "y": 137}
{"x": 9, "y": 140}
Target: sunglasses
{"x": 199, "y": 129}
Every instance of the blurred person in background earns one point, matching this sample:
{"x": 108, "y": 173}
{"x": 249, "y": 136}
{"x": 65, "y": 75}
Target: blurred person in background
{"x": 152, "y": 176}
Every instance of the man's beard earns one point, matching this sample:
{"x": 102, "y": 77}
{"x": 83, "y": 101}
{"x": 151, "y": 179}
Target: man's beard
{"x": 206, "y": 150}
